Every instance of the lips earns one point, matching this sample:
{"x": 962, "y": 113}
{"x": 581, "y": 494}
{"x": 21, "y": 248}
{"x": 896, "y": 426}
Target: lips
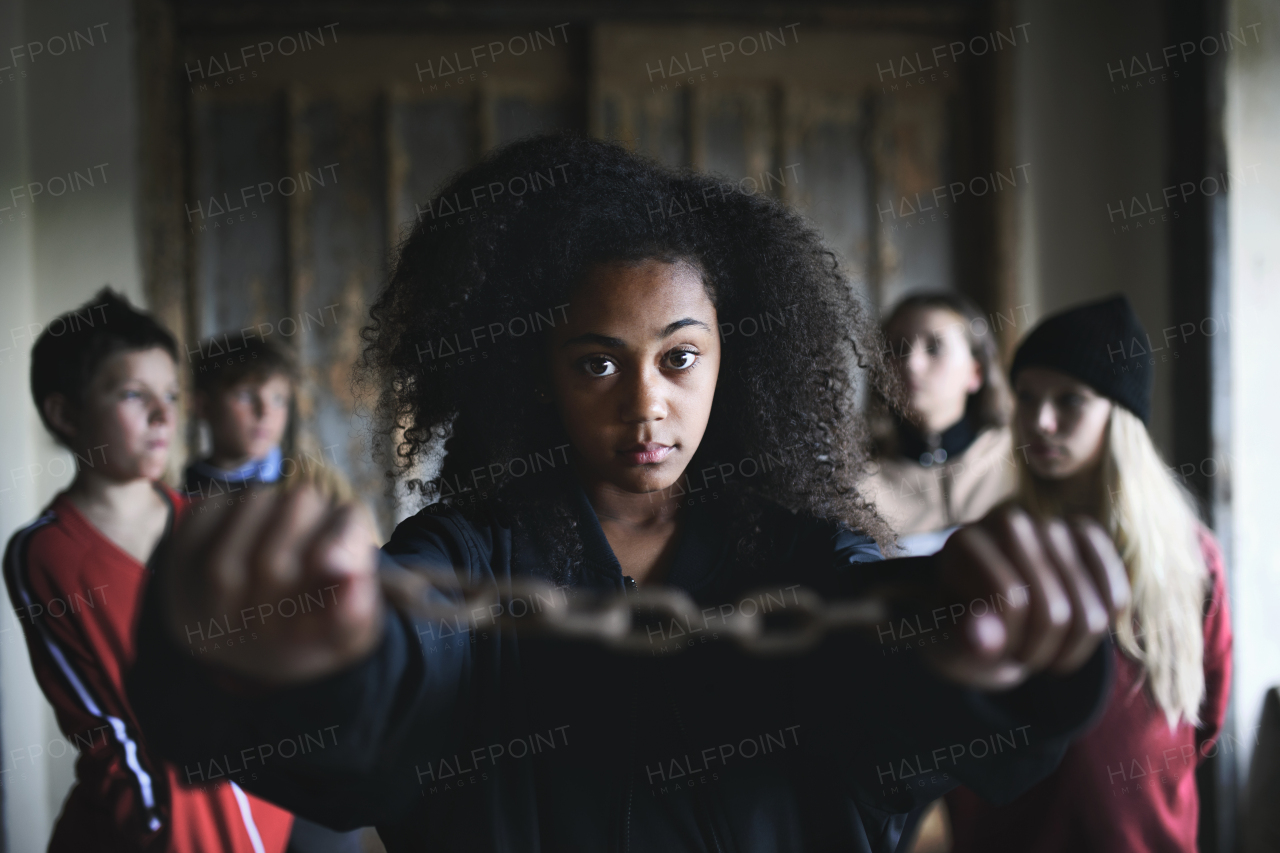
{"x": 1045, "y": 450}
{"x": 646, "y": 453}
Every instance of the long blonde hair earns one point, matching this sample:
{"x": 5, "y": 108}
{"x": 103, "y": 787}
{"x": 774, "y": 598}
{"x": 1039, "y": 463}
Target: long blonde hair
{"x": 1154, "y": 524}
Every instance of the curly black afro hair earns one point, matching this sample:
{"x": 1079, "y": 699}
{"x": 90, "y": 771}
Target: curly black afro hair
{"x": 511, "y": 238}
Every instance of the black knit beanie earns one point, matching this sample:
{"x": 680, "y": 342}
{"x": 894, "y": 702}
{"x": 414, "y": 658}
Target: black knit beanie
{"x": 1102, "y": 344}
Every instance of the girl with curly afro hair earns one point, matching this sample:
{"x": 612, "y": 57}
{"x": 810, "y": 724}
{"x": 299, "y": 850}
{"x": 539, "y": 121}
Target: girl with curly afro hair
{"x": 784, "y": 428}
{"x": 635, "y": 377}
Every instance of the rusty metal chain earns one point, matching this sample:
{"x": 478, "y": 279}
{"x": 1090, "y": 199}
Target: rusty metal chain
{"x": 536, "y": 607}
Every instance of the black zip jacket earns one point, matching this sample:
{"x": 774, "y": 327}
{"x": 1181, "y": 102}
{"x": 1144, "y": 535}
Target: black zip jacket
{"x": 449, "y": 739}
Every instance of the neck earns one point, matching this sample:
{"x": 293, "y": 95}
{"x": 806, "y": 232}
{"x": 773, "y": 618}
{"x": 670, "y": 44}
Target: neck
{"x": 641, "y": 529}
{"x": 1077, "y": 494}
{"x": 645, "y": 510}
{"x": 92, "y": 490}
{"x": 939, "y": 424}
{"x": 227, "y": 462}
{"x": 955, "y": 438}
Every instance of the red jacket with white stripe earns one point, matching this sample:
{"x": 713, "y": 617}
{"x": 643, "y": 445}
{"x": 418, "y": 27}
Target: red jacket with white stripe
{"x": 77, "y": 594}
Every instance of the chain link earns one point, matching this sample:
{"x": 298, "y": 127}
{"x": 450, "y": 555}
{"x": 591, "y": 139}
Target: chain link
{"x": 626, "y": 621}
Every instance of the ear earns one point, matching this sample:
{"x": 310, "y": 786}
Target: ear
{"x": 59, "y": 413}
{"x": 975, "y": 381}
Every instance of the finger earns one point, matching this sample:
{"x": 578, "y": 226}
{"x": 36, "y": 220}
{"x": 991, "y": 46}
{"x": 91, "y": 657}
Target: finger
{"x": 204, "y": 577}
{"x": 347, "y": 544}
{"x": 277, "y": 554}
{"x": 1102, "y": 562}
{"x": 197, "y": 524}
{"x": 230, "y": 542}
{"x": 178, "y": 571}
{"x": 341, "y": 562}
{"x": 972, "y": 565}
{"x": 1089, "y": 617}
{"x": 1049, "y": 608}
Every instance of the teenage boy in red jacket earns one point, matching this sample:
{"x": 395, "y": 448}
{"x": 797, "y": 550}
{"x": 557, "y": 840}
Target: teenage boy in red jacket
{"x": 104, "y": 381}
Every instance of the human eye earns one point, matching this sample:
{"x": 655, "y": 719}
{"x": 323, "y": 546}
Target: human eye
{"x": 1071, "y": 401}
{"x": 681, "y": 359}
{"x": 598, "y": 366}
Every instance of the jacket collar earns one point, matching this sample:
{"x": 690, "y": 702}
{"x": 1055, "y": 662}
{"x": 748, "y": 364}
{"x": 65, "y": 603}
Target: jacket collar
{"x": 955, "y": 440}
{"x": 264, "y": 470}
{"x": 698, "y": 557}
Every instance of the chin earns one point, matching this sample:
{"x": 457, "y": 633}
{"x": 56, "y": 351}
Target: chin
{"x": 645, "y": 481}
{"x": 151, "y": 472}
{"x": 1060, "y": 470}
{"x": 151, "y": 466}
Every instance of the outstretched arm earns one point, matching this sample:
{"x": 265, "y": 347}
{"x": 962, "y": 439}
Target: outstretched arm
{"x": 265, "y": 653}
{"x": 356, "y": 671}
{"x": 985, "y": 677}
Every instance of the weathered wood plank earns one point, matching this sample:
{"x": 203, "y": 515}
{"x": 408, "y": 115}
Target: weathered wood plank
{"x": 338, "y": 246}
{"x": 236, "y": 217}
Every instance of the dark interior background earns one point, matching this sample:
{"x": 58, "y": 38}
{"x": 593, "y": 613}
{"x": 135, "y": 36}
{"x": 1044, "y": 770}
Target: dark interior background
{"x": 847, "y": 107}
{"x": 836, "y": 112}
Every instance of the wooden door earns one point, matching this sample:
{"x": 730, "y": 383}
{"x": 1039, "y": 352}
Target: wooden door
{"x": 312, "y": 150}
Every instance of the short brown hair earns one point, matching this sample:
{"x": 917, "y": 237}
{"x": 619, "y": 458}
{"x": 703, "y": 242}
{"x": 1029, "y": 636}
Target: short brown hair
{"x": 74, "y": 345}
{"x": 225, "y": 360}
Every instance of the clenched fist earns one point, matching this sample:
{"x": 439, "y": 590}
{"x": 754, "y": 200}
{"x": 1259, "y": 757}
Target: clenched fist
{"x": 1054, "y": 588}
{"x": 280, "y": 587}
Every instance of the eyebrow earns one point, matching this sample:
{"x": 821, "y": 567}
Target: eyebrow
{"x": 619, "y": 343}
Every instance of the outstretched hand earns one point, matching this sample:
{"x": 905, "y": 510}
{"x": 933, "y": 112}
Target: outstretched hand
{"x": 280, "y": 587}
{"x": 1049, "y": 591}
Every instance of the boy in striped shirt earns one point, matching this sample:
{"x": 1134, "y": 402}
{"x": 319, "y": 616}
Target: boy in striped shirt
{"x": 104, "y": 381}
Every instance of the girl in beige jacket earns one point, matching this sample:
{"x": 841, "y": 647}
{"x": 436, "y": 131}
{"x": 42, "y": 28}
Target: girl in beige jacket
{"x": 951, "y": 460}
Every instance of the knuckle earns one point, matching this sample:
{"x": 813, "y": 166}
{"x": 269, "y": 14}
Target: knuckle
{"x": 1016, "y": 522}
{"x": 1018, "y": 597}
{"x": 1095, "y": 621}
{"x": 1059, "y": 613}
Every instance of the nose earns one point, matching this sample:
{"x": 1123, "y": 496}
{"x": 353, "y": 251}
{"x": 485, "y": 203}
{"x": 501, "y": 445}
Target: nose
{"x": 1046, "y": 419}
{"x": 162, "y": 410}
{"x": 642, "y": 398}
{"x": 917, "y": 359}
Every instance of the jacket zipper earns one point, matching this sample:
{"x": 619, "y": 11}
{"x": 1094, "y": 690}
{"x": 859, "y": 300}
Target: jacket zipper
{"x": 698, "y": 797}
{"x": 631, "y": 781}
{"x": 629, "y": 585}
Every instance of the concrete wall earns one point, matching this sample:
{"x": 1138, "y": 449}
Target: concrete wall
{"x": 1253, "y": 137}
{"x": 1089, "y": 146}
{"x": 72, "y": 112}
{"x": 1092, "y": 145}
